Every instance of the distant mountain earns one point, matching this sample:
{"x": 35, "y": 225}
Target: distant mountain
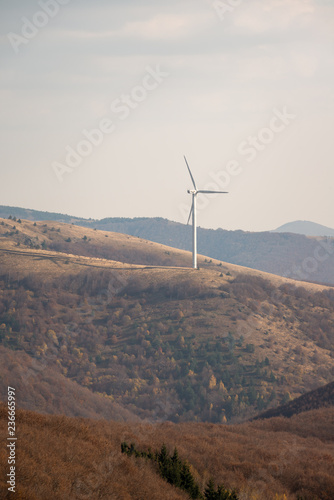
{"x": 286, "y": 254}
{"x": 306, "y": 228}
{"x": 36, "y": 215}
{"x": 312, "y": 400}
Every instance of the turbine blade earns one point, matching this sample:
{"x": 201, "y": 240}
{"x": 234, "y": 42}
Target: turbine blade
{"x": 191, "y": 211}
{"x": 211, "y": 192}
{"x": 191, "y": 175}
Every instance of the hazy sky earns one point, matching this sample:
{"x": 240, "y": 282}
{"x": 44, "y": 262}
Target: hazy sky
{"x": 101, "y": 99}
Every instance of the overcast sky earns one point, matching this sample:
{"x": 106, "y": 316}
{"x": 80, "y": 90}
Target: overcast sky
{"x": 101, "y": 99}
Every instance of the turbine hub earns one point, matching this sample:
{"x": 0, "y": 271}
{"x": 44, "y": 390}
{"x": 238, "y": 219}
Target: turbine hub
{"x": 192, "y": 191}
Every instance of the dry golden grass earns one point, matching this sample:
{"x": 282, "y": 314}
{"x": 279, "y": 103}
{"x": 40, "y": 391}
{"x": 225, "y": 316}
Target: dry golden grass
{"x": 123, "y": 250}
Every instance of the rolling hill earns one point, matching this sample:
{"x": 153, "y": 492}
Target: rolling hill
{"x": 286, "y": 254}
{"x": 127, "y": 321}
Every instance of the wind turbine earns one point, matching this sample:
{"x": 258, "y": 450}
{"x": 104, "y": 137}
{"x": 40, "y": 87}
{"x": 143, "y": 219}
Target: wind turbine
{"x": 194, "y": 193}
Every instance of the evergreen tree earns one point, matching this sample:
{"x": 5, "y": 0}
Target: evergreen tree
{"x": 163, "y": 461}
{"x": 222, "y": 493}
{"x": 174, "y": 475}
{"x": 188, "y": 482}
{"x": 178, "y": 473}
{"x": 210, "y": 492}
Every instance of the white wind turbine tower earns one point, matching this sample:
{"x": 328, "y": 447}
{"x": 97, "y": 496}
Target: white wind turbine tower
{"x": 194, "y": 193}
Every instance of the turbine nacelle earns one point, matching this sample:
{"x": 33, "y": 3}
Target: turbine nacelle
{"x": 192, "y": 191}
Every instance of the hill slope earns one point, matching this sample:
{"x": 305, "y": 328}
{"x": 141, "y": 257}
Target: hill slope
{"x": 167, "y": 343}
{"x": 319, "y": 398}
{"x": 291, "y": 255}
{"x": 62, "y": 458}
{"x": 41, "y": 386}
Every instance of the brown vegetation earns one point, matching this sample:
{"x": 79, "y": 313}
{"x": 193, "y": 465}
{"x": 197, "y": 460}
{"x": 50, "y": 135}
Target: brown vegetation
{"x": 62, "y": 458}
{"x": 68, "y": 239}
{"x": 279, "y": 253}
{"x": 319, "y": 398}
{"x": 40, "y": 386}
{"x": 222, "y": 343}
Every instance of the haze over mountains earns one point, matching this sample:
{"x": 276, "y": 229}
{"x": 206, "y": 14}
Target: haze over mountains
{"x": 305, "y": 227}
{"x": 283, "y": 253}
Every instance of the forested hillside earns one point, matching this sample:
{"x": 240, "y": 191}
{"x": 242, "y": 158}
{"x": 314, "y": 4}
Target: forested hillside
{"x": 220, "y": 344}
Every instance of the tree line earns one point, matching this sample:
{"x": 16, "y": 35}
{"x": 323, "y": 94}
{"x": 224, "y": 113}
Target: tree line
{"x": 178, "y": 473}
